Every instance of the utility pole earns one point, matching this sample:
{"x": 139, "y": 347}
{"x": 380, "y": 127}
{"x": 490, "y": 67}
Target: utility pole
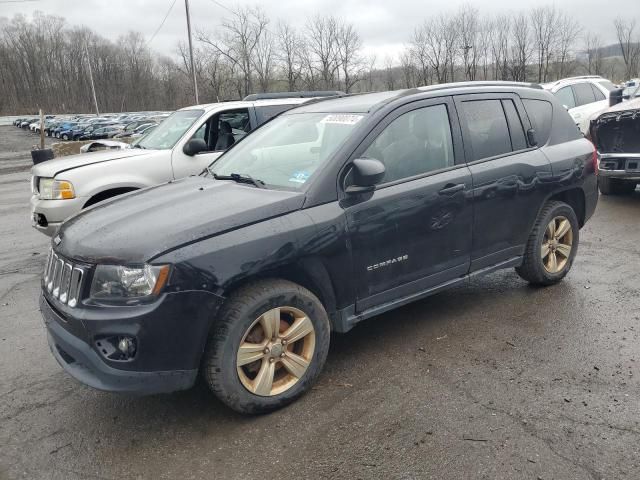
{"x": 93, "y": 88}
{"x": 193, "y": 70}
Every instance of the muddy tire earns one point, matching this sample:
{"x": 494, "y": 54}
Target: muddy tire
{"x": 267, "y": 346}
{"x": 614, "y": 186}
{"x": 552, "y": 245}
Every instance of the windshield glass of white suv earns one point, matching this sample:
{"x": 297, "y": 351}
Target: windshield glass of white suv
{"x": 288, "y": 150}
{"x": 167, "y": 134}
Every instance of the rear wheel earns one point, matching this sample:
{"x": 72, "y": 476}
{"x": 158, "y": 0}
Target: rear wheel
{"x": 552, "y": 245}
{"x": 615, "y": 186}
{"x": 267, "y": 346}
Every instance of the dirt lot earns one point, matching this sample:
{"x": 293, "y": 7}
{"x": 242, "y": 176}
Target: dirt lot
{"x": 495, "y": 380}
{"x": 15, "y": 148}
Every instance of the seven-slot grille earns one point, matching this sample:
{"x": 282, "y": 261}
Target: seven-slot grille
{"x": 63, "y": 279}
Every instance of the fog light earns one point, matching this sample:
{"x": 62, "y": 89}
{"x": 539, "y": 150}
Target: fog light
{"x": 127, "y": 346}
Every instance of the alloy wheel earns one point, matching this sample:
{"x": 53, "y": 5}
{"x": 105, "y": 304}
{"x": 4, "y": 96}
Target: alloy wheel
{"x": 276, "y": 351}
{"x": 557, "y": 244}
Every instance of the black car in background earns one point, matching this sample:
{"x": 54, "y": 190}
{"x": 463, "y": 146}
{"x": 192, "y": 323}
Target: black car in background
{"x": 99, "y": 133}
{"x": 332, "y": 213}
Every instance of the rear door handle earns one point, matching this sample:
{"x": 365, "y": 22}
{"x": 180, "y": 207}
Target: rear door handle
{"x": 451, "y": 188}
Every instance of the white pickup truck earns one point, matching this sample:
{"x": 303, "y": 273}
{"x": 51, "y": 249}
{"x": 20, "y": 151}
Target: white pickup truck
{"x": 182, "y": 145}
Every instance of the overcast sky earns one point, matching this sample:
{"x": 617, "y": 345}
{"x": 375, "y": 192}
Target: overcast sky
{"x": 383, "y": 24}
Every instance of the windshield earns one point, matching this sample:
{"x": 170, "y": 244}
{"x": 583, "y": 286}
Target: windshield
{"x": 288, "y": 150}
{"x": 167, "y": 134}
{"x": 632, "y": 92}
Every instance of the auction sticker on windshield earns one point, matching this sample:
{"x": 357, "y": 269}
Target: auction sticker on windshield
{"x": 299, "y": 177}
{"x": 342, "y": 119}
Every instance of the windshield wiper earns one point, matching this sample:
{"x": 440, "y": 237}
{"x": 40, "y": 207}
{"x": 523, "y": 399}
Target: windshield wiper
{"x": 137, "y": 145}
{"x": 241, "y": 178}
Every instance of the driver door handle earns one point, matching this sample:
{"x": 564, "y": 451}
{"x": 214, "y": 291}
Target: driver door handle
{"x": 451, "y": 188}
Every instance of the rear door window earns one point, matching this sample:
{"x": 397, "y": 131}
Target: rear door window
{"x": 565, "y": 95}
{"x": 487, "y": 128}
{"x": 540, "y": 114}
{"x": 583, "y": 93}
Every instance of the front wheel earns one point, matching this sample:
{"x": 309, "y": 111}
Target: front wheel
{"x": 552, "y": 245}
{"x": 267, "y": 346}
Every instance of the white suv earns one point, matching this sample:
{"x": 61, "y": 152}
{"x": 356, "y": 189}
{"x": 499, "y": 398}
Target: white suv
{"x": 583, "y": 97}
{"x": 183, "y": 144}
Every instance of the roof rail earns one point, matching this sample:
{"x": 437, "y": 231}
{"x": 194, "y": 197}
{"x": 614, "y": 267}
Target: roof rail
{"x": 479, "y": 83}
{"x": 579, "y": 77}
{"x": 278, "y": 95}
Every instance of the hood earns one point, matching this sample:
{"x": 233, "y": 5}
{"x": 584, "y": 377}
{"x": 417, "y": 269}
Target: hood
{"x": 53, "y": 167}
{"x": 137, "y": 227}
{"x": 617, "y": 129}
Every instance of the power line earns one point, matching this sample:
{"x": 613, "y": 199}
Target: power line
{"x": 162, "y": 23}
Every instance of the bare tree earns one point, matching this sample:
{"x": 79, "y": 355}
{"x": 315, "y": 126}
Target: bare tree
{"x": 349, "y": 46}
{"x": 469, "y": 29}
{"x": 322, "y": 42}
{"x": 521, "y": 49}
{"x": 568, "y": 32}
{"x": 629, "y": 44}
{"x": 263, "y": 60}
{"x": 544, "y": 21}
{"x": 239, "y": 39}
{"x": 593, "y": 50}
{"x": 408, "y": 69}
{"x": 389, "y": 80}
{"x": 499, "y": 40}
{"x": 290, "y": 49}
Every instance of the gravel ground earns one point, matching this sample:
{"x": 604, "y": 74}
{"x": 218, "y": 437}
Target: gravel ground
{"x": 494, "y": 380}
{"x": 15, "y": 149}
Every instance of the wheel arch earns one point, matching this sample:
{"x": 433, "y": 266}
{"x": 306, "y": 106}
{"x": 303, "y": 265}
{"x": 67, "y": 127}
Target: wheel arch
{"x": 309, "y": 273}
{"x": 575, "y": 198}
{"x": 108, "y": 193}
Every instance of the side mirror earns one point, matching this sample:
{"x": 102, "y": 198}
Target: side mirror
{"x": 615, "y": 96}
{"x": 195, "y": 146}
{"x": 531, "y": 136}
{"x": 367, "y": 173}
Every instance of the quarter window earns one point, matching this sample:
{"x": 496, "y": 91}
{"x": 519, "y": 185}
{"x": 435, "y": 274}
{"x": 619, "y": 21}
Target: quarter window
{"x": 565, "y": 95}
{"x": 540, "y": 115}
{"x": 488, "y": 130}
{"x": 416, "y": 142}
{"x": 267, "y": 112}
{"x": 597, "y": 93}
{"x": 518, "y": 141}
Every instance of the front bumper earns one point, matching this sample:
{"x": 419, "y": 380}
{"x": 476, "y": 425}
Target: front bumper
{"x": 171, "y": 336}
{"x": 48, "y": 215}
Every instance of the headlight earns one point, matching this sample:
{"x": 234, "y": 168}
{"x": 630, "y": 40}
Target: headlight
{"x": 120, "y": 283}
{"x": 51, "y": 189}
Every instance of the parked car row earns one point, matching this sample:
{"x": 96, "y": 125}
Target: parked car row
{"x": 336, "y": 210}
{"x": 85, "y": 127}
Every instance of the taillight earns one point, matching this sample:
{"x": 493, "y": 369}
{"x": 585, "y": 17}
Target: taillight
{"x": 594, "y": 159}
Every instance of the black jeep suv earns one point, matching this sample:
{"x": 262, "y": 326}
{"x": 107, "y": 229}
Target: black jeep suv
{"x": 329, "y": 214}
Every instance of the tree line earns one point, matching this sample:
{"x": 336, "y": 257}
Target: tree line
{"x": 44, "y": 62}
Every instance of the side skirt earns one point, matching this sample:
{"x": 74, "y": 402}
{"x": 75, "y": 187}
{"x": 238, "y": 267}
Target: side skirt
{"x": 347, "y": 317}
